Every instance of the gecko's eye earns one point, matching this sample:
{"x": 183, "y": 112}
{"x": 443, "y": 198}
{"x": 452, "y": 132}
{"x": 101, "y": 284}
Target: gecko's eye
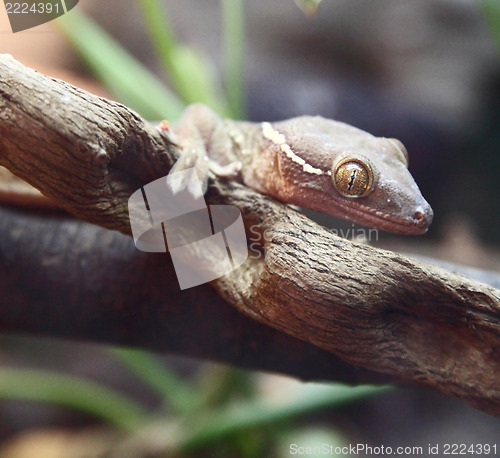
{"x": 353, "y": 177}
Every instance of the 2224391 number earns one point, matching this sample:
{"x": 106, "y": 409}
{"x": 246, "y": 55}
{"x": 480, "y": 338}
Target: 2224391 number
{"x": 35, "y": 8}
{"x": 466, "y": 449}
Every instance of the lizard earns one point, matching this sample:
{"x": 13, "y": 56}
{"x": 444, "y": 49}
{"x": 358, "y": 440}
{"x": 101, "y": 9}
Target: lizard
{"x": 308, "y": 161}
{"x": 311, "y": 162}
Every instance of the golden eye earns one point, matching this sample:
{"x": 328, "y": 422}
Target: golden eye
{"x": 353, "y": 177}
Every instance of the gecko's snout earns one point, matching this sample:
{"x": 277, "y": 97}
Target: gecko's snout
{"x": 423, "y": 216}
{"x": 419, "y": 216}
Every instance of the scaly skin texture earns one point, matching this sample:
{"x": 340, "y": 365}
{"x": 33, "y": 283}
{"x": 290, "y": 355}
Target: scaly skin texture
{"x": 297, "y": 161}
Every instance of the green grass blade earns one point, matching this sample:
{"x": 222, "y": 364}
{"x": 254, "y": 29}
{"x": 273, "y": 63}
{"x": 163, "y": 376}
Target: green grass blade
{"x": 234, "y": 47}
{"x": 308, "y": 6}
{"x": 163, "y": 39}
{"x": 491, "y": 10}
{"x": 174, "y": 391}
{"x": 187, "y": 70}
{"x": 121, "y": 73}
{"x": 73, "y": 392}
{"x": 216, "y": 426}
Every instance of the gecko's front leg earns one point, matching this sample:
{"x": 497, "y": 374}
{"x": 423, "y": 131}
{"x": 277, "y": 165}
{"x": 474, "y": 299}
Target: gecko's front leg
{"x": 194, "y": 128}
{"x": 196, "y": 131}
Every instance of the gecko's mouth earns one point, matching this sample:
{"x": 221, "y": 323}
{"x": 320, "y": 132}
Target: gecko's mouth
{"x": 416, "y": 222}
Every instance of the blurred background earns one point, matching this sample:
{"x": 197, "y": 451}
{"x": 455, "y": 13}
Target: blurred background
{"x": 425, "y": 72}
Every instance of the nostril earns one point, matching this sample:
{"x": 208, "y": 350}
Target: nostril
{"x": 419, "y": 216}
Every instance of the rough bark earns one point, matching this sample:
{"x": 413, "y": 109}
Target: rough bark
{"x": 61, "y": 277}
{"x": 371, "y": 308}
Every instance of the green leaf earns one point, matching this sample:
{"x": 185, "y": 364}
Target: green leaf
{"x": 176, "y": 392}
{"x": 121, "y": 73}
{"x": 308, "y": 6}
{"x": 234, "y": 51}
{"x": 491, "y": 10}
{"x": 188, "y": 71}
{"x": 217, "y": 425}
{"x": 68, "y": 391}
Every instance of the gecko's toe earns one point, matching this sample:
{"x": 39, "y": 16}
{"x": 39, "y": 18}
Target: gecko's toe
{"x": 227, "y": 170}
{"x": 176, "y": 183}
{"x": 186, "y": 181}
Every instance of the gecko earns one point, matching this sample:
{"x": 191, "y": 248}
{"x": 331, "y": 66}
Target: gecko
{"x": 310, "y": 162}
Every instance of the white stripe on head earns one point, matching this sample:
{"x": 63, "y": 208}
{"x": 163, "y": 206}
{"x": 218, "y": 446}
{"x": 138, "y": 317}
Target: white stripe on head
{"x": 279, "y": 139}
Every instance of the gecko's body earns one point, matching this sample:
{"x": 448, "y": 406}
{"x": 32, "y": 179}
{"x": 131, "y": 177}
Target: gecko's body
{"x": 312, "y": 162}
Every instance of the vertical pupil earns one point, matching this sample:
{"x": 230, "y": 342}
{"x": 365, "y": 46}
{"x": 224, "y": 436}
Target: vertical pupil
{"x": 353, "y": 176}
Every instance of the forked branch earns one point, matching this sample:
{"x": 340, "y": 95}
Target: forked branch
{"x": 372, "y": 308}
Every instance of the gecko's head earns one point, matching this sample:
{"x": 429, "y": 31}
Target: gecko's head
{"x": 334, "y": 168}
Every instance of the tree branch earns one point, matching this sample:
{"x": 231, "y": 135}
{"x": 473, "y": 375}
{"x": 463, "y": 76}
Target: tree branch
{"x": 85, "y": 152}
{"x": 61, "y": 277}
{"x": 371, "y": 308}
